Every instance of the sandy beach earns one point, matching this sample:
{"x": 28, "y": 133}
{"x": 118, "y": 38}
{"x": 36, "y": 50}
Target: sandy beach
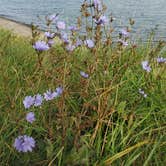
{"x": 15, "y": 27}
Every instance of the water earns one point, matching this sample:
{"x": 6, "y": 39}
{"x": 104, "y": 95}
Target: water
{"x": 148, "y": 14}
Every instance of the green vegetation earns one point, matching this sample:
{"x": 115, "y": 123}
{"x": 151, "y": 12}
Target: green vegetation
{"x": 101, "y": 120}
{"x": 110, "y": 105}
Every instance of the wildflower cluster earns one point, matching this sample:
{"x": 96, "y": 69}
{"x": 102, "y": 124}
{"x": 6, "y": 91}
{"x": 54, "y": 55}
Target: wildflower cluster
{"x": 71, "y": 41}
{"x": 38, "y": 99}
{"x": 124, "y": 35}
{"x": 25, "y": 143}
{"x": 146, "y": 66}
{"x": 161, "y": 60}
{"x": 35, "y": 100}
{"x": 68, "y": 35}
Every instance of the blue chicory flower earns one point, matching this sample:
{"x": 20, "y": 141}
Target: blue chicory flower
{"x": 24, "y": 143}
{"x": 102, "y": 20}
{"x": 145, "y": 66}
{"x": 38, "y": 100}
{"x": 50, "y": 95}
{"x": 123, "y": 42}
{"x": 161, "y": 60}
{"x": 41, "y": 46}
{"x": 28, "y": 101}
{"x": 59, "y": 90}
{"x": 124, "y": 33}
{"x": 61, "y": 25}
{"x": 49, "y": 35}
{"x": 78, "y": 42}
{"x": 65, "y": 38}
{"x": 30, "y": 117}
{"x": 89, "y": 43}
{"x": 83, "y": 74}
{"x": 73, "y": 28}
{"x": 53, "y": 17}
{"x": 98, "y": 4}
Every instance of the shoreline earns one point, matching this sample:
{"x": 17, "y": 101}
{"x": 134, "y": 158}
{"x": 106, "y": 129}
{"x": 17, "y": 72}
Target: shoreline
{"x": 23, "y": 29}
{"x": 16, "y": 27}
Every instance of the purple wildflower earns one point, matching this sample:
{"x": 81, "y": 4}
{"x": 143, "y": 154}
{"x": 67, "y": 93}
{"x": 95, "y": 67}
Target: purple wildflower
{"x": 53, "y": 17}
{"x": 30, "y": 117}
{"x": 28, "y": 101}
{"x": 59, "y": 90}
{"x": 124, "y": 43}
{"x": 38, "y": 100}
{"x": 124, "y": 33}
{"x": 70, "y": 47}
{"x": 79, "y": 42}
{"x": 142, "y": 93}
{"x": 161, "y": 60}
{"x": 65, "y": 38}
{"x": 50, "y": 95}
{"x": 98, "y": 5}
{"x": 145, "y": 66}
{"x": 49, "y": 35}
{"x": 102, "y": 20}
{"x": 41, "y": 46}
{"x": 24, "y": 143}
{"x": 61, "y": 25}
{"x": 89, "y": 43}
{"x": 83, "y": 74}
{"x": 73, "y": 28}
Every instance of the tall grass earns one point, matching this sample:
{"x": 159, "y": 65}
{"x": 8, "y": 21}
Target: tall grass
{"x": 99, "y": 120}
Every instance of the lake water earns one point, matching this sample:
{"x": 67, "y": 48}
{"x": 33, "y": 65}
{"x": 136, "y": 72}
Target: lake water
{"x": 148, "y": 14}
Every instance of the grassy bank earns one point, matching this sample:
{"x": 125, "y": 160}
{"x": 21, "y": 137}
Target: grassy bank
{"x": 99, "y": 120}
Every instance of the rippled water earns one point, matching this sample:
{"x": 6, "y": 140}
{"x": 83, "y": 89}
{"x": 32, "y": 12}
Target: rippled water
{"x": 148, "y": 14}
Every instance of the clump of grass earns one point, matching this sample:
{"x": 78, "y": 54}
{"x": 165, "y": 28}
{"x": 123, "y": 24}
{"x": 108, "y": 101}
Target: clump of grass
{"x": 101, "y": 118}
